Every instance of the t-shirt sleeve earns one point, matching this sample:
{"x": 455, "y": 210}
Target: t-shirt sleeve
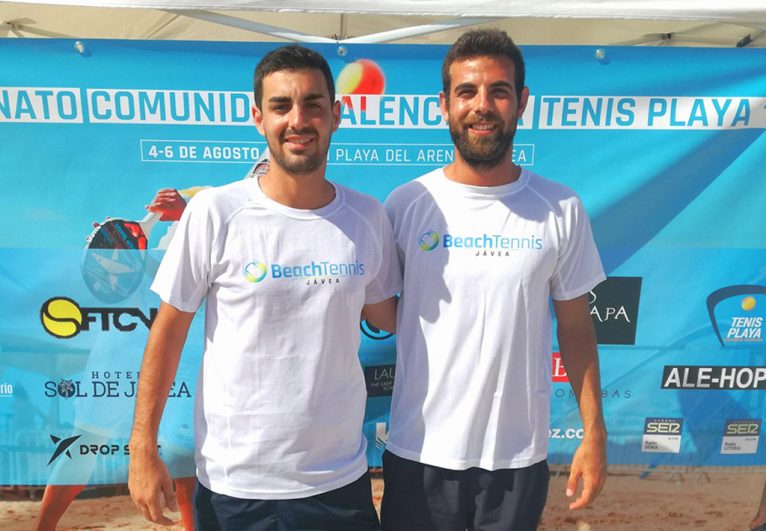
{"x": 388, "y": 281}
{"x": 579, "y": 268}
{"x": 183, "y": 277}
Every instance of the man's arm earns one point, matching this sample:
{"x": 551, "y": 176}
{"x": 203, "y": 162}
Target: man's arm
{"x": 577, "y": 343}
{"x": 382, "y": 314}
{"x": 148, "y": 478}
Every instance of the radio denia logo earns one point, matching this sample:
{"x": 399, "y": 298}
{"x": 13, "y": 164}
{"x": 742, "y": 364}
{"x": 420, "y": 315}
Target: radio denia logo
{"x": 255, "y": 271}
{"x": 428, "y": 241}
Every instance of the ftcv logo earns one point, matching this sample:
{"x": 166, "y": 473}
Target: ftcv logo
{"x": 63, "y": 318}
{"x": 740, "y": 310}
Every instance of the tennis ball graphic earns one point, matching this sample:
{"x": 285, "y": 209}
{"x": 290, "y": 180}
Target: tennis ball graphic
{"x": 361, "y": 77}
{"x": 61, "y": 317}
{"x": 748, "y": 303}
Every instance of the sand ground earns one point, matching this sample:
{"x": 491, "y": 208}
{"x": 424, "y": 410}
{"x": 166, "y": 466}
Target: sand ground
{"x": 715, "y": 500}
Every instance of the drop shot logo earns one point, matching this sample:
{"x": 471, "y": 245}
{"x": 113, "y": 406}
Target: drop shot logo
{"x": 62, "y": 446}
{"x": 428, "y": 241}
{"x": 255, "y": 271}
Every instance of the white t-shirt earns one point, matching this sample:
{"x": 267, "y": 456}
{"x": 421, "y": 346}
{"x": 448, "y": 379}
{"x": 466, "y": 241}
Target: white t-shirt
{"x": 281, "y": 394}
{"x": 473, "y": 372}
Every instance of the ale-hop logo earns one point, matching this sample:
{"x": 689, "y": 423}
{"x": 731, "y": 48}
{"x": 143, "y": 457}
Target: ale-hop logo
{"x": 614, "y": 310}
{"x": 63, "y": 318}
{"x": 741, "y": 309}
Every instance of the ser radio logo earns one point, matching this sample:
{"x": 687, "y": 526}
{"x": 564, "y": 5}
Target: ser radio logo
{"x": 64, "y": 318}
{"x": 662, "y": 435}
{"x": 740, "y": 436}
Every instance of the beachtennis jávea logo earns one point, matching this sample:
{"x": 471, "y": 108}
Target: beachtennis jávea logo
{"x": 737, "y": 314}
{"x": 255, "y": 271}
{"x": 480, "y": 244}
{"x": 428, "y": 240}
{"x": 313, "y": 272}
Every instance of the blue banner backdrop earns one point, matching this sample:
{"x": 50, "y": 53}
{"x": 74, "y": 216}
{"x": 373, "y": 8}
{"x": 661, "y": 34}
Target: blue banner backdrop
{"x": 663, "y": 145}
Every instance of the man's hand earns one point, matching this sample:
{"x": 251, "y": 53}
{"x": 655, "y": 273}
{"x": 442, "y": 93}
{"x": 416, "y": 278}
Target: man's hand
{"x": 149, "y": 482}
{"x": 588, "y": 464}
{"x": 168, "y": 203}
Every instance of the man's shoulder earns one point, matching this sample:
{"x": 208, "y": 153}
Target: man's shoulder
{"x": 223, "y": 199}
{"x": 553, "y": 192}
{"x": 410, "y": 191}
{"x": 360, "y": 202}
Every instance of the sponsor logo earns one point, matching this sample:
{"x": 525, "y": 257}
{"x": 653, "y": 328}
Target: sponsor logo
{"x": 380, "y": 379}
{"x": 737, "y": 314}
{"x": 63, "y": 318}
{"x": 614, "y": 310}
{"x": 713, "y": 377}
{"x": 559, "y": 375}
{"x": 106, "y": 384}
{"x": 62, "y": 447}
{"x": 740, "y": 436}
{"x": 428, "y": 241}
{"x": 565, "y": 433}
{"x": 484, "y": 244}
{"x": 6, "y": 389}
{"x": 67, "y": 446}
{"x": 314, "y": 273}
{"x": 255, "y": 271}
{"x": 559, "y": 372}
{"x": 373, "y": 332}
{"x": 662, "y": 435}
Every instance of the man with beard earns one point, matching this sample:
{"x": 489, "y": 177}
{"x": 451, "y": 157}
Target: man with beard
{"x": 485, "y": 246}
{"x": 287, "y": 263}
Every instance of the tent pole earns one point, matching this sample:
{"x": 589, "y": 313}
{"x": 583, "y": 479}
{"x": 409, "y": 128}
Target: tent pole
{"x": 415, "y": 31}
{"x": 249, "y": 25}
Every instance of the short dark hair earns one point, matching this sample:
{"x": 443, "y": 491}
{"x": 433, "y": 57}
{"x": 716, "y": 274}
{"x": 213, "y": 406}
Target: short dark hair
{"x": 291, "y": 57}
{"x": 484, "y": 42}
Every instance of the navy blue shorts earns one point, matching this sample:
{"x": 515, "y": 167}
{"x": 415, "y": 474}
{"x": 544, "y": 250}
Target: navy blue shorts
{"x": 348, "y": 508}
{"x": 420, "y": 497}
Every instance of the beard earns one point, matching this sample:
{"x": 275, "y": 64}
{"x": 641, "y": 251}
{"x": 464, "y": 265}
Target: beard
{"x": 298, "y": 164}
{"x": 482, "y": 152}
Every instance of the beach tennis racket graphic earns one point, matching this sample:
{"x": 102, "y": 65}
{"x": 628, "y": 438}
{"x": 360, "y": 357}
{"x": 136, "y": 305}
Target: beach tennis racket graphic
{"x": 115, "y": 257}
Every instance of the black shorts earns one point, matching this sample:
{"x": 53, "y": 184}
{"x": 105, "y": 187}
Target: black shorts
{"x": 348, "y": 508}
{"x": 420, "y": 497}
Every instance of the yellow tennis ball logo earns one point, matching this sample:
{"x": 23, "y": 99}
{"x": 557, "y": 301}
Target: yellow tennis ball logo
{"x": 748, "y": 303}
{"x": 61, "y": 317}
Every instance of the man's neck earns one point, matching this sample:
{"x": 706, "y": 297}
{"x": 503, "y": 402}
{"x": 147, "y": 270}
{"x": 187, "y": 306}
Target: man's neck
{"x": 306, "y": 191}
{"x": 461, "y": 172}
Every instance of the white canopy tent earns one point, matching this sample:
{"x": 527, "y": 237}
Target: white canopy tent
{"x": 735, "y": 23}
